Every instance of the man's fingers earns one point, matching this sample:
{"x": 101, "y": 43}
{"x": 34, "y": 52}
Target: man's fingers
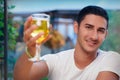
{"x": 27, "y": 33}
{"x": 32, "y": 41}
{"x": 27, "y": 23}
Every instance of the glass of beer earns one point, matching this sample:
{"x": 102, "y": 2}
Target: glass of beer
{"x": 43, "y": 22}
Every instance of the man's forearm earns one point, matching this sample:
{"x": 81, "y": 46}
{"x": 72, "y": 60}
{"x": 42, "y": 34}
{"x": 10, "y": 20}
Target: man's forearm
{"x": 22, "y": 68}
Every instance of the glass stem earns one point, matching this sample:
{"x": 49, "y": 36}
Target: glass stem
{"x": 38, "y": 50}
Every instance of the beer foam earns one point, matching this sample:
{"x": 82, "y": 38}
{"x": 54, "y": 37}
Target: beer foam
{"x": 40, "y": 17}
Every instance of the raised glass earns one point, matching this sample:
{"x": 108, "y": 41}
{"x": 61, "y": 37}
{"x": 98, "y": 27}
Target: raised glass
{"x": 43, "y": 22}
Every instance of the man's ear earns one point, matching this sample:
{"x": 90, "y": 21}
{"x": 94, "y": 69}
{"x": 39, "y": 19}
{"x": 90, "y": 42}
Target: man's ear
{"x": 76, "y": 27}
{"x": 106, "y": 34}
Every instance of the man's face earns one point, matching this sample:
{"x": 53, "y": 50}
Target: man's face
{"x": 91, "y": 32}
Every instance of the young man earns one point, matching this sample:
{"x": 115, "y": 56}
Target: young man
{"x": 85, "y": 62}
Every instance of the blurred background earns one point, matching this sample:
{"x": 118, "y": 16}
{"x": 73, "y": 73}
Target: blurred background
{"x": 63, "y": 13}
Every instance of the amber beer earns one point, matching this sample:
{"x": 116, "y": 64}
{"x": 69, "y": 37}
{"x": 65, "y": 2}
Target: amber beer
{"x": 42, "y": 21}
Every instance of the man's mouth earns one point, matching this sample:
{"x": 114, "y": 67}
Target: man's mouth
{"x": 91, "y": 43}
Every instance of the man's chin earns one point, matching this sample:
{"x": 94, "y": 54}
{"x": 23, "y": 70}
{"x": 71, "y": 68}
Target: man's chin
{"x": 91, "y": 50}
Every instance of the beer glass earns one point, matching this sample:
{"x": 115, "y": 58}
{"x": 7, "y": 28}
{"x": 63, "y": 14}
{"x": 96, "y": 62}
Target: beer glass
{"x": 43, "y": 22}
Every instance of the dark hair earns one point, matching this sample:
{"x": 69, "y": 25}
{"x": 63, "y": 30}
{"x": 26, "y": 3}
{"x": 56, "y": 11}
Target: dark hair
{"x": 92, "y": 10}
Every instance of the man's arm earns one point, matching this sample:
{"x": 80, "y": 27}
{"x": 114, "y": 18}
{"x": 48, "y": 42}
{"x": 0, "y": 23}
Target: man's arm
{"x": 107, "y": 75}
{"x": 27, "y": 70}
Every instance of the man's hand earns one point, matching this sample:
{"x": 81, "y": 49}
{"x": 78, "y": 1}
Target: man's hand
{"x": 28, "y": 39}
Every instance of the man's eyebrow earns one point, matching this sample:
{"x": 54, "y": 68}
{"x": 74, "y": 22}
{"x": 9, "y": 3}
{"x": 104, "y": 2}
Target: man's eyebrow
{"x": 101, "y": 28}
{"x": 93, "y": 26}
{"x": 89, "y": 25}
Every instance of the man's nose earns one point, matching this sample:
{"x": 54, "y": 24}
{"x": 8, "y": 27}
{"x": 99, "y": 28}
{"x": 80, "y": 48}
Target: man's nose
{"x": 94, "y": 35}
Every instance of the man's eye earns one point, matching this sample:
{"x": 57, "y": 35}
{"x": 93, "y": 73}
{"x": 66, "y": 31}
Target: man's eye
{"x": 102, "y": 30}
{"x": 88, "y": 27}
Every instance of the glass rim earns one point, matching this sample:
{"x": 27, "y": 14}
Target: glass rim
{"x": 40, "y": 15}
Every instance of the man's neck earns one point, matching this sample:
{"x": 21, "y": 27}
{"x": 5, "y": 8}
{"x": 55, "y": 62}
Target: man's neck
{"x": 82, "y": 58}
